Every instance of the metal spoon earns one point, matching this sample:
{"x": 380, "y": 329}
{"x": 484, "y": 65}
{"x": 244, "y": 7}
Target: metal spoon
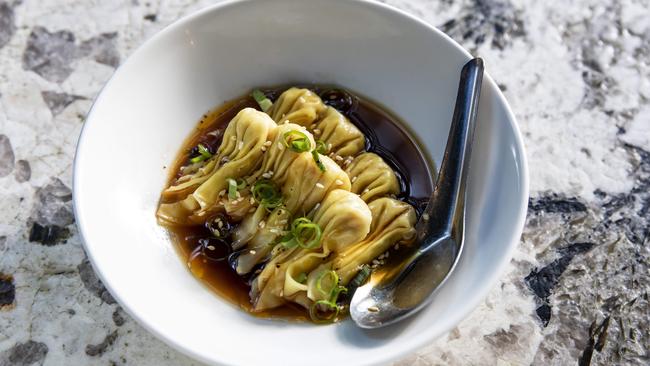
{"x": 411, "y": 279}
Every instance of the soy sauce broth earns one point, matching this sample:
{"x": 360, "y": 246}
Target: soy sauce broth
{"x": 385, "y": 136}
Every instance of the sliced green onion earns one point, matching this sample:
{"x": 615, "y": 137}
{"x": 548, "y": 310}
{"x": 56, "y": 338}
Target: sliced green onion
{"x": 232, "y": 188}
{"x": 204, "y": 154}
{"x": 308, "y": 235}
{"x": 317, "y": 315}
{"x": 361, "y": 277}
{"x": 261, "y": 99}
{"x": 304, "y": 233}
{"x": 241, "y": 183}
{"x": 321, "y": 148}
{"x": 319, "y": 163}
{"x": 334, "y": 279}
{"x": 267, "y": 194}
{"x": 296, "y": 141}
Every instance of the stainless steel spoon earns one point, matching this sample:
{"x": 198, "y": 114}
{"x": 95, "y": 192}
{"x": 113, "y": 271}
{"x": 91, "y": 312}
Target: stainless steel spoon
{"x": 412, "y": 278}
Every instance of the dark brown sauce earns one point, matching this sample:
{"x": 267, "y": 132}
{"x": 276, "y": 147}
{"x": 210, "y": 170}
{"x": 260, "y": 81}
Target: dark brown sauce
{"x": 384, "y": 136}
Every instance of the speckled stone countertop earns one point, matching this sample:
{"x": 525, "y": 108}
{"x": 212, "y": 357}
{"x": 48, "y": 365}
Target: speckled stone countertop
{"x": 576, "y": 73}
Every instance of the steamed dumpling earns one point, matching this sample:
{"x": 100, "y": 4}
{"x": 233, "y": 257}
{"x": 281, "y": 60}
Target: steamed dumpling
{"x": 299, "y": 106}
{"x": 392, "y": 221}
{"x": 340, "y": 136}
{"x": 371, "y": 177}
{"x": 260, "y": 245}
{"x": 344, "y": 220}
{"x": 306, "y": 184}
{"x": 278, "y": 157}
{"x": 237, "y": 156}
{"x": 242, "y": 144}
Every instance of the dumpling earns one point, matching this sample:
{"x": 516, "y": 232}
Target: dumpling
{"x": 278, "y": 157}
{"x": 392, "y": 221}
{"x": 299, "y": 106}
{"x": 260, "y": 245}
{"x": 237, "y": 156}
{"x": 340, "y": 136}
{"x": 371, "y": 177}
{"x": 242, "y": 145}
{"x": 344, "y": 219}
{"x": 306, "y": 184}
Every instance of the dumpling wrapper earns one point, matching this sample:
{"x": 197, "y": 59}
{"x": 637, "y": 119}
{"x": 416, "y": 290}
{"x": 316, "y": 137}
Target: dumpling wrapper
{"x": 306, "y": 184}
{"x": 344, "y": 219}
{"x": 373, "y": 178}
{"x": 299, "y": 106}
{"x": 340, "y": 136}
{"x": 393, "y": 221}
{"x": 278, "y": 158}
{"x": 239, "y": 155}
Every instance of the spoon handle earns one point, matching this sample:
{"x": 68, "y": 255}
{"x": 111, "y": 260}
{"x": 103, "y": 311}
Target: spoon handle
{"x": 446, "y": 208}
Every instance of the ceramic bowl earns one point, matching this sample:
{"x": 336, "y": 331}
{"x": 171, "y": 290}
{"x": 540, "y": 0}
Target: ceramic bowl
{"x": 156, "y": 97}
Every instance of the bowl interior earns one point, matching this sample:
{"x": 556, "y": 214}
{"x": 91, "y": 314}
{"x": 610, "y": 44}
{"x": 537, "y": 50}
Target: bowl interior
{"x": 154, "y": 100}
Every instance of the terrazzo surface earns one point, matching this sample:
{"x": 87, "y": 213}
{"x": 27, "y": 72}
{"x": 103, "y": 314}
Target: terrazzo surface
{"x": 577, "y": 75}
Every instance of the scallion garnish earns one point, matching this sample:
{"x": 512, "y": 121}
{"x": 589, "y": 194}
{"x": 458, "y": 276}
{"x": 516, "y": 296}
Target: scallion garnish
{"x": 267, "y": 194}
{"x": 204, "y": 154}
{"x": 319, "y": 163}
{"x": 321, "y": 148}
{"x": 328, "y": 306}
{"x": 304, "y": 234}
{"x": 232, "y": 188}
{"x": 328, "y": 315}
{"x": 261, "y": 99}
{"x": 296, "y": 141}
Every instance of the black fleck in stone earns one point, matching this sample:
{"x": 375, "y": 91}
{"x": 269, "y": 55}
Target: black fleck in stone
{"x": 92, "y": 283}
{"x": 482, "y": 20}
{"x": 58, "y": 101}
{"x": 542, "y": 281}
{"x": 118, "y": 317}
{"x": 53, "y": 204}
{"x": 28, "y": 353}
{"x": 151, "y": 17}
{"x": 50, "y": 54}
{"x": 553, "y": 203}
{"x": 7, "y": 24}
{"x": 23, "y": 171}
{"x": 7, "y": 291}
{"x": 48, "y": 235}
{"x": 7, "y": 159}
{"x": 100, "y": 348}
{"x": 597, "y": 338}
{"x": 102, "y": 49}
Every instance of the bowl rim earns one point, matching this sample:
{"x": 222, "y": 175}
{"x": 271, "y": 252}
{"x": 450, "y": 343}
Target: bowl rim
{"x": 372, "y": 5}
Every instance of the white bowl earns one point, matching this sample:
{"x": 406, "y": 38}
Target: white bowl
{"x": 153, "y": 101}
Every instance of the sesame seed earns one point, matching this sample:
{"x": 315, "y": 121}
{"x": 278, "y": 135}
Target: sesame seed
{"x": 220, "y": 224}
{"x": 285, "y": 122}
{"x": 263, "y": 148}
{"x": 319, "y": 185}
{"x": 338, "y": 182}
{"x": 373, "y": 309}
{"x": 222, "y": 192}
{"x": 252, "y": 209}
{"x": 425, "y": 217}
{"x": 217, "y": 233}
{"x": 252, "y": 251}
{"x": 252, "y": 200}
{"x": 354, "y": 179}
{"x": 366, "y": 190}
{"x": 234, "y": 138}
{"x": 210, "y": 247}
{"x": 261, "y": 224}
{"x": 268, "y": 143}
{"x": 283, "y": 222}
{"x": 338, "y": 158}
{"x": 316, "y": 131}
{"x": 241, "y": 145}
{"x": 396, "y": 247}
{"x": 274, "y": 231}
{"x": 302, "y": 100}
{"x": 280, "y": 146}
